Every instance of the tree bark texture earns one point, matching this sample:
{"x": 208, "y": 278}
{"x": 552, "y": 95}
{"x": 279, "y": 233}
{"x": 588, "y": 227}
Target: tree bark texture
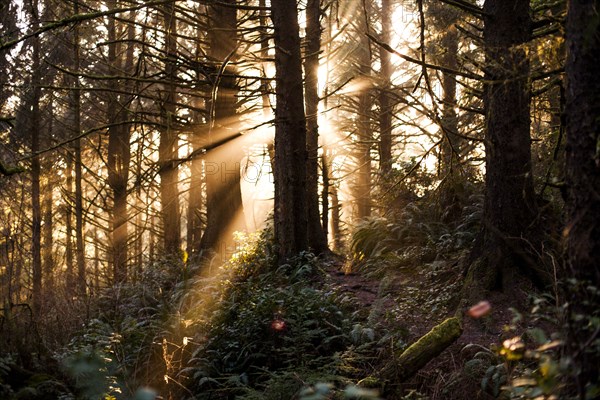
{"x": 34, "y": 131}
{"x": 118, "y": 163}
{"x": 195, "y": 218}
{"x": 168, "y": 145}
{"x": 47, "y": 231}
{"x": 364, "y": 129}
{"x": 509, "y": 205}
{"x": 76, "y": 99}
{"x": 385, "y": 101}
{"x": 48, "y": 216}
{"x": 316, "y": 234}
{"x": 69, "y": 256}
{"x": 450, "y": 149}
{"x": 291, "y": 233}
{"x": 582, "y": 232}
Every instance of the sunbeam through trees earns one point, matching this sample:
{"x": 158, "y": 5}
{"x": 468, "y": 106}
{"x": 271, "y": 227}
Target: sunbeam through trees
{"x": 299, "y": 199}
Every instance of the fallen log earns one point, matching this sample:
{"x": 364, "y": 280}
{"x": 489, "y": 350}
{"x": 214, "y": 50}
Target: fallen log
{"x": 429, "y": 346}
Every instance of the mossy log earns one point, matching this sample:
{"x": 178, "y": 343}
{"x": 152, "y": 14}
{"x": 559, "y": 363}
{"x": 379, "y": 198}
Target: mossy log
{"x": 429, "y": 346}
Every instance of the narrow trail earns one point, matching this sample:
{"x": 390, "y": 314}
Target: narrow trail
{"x": 363, "y": 289}
{"x": 412, "y": 303}
{"x": 417, "y": 301}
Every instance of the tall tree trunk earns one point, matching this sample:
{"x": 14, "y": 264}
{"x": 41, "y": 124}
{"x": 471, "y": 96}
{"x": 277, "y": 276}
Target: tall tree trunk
{"x": 79, "y": 228}
{"x": 195, "y": 201}
{"x": 138, "y": 244}
{"x": 168, "y": 146}
{"x": 118, "y": 163}
{"x": 96, "y": 242}
{"x": 47, "y": 218}
{"x": 450, "y": 149}
{"x": 316, "y": 235}
{"x": 223, "y": 172}
{"x": 35, "y": 124}
{"x": 385, "y": 101}
{"x": 291, "y": 233}
{"x": 264, "y": 55}
{"x": 196, "y": 218}
{"x": 363, "y": 157}
{"x": 325, "y": 168}
{"x": 583, "y": 182}
{"x": 76, "y": 99}
{"x": 48, "y": 254}
{"x": 364, "y": 131}
{"x": 336, "y": 218}
{"x": 69, "y": 256}
{"x": 152, "y": 239}
{"x": 509, "y": 205}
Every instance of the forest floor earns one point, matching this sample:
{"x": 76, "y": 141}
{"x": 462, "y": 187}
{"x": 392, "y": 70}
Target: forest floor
{"x": 416, "y": 301}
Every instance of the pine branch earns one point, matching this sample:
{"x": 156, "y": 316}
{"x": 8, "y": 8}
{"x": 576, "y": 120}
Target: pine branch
{"x": 75, "y": 19}
{"x": 466, "y": 7}
{"x": 447, "y": 70}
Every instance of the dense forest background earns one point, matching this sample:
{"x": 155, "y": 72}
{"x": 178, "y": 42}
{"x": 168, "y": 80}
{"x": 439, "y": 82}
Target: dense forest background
{"x": 310, "y": 199}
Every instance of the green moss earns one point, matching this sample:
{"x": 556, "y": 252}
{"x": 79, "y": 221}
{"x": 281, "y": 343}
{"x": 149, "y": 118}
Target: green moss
{"x": 370, "y": 382}
{"x": 428, "y": 347}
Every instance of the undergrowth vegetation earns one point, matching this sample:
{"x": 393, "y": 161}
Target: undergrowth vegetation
{"x": 253, "y": 329}
{"x": 246, "y": 329}
{"x": 420, "y": 232}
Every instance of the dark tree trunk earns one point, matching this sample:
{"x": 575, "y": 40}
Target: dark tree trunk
{"x": 96, "y": 242}
{"x": 48, "y": 254}
{"x": 195, "y": 220}
{"x": 34, "y": 130}
{"x": 325, "y": 168}
{"x": 264, "y": 54}
{"x": 152, "y": 239}
{"x": 223, "y": 173}
{"x": 450, "y": 149}
{"x": 168, "y": 146}
{"x": 195, "y": 217}
{"x": 363, "y": 157}
{"x": 582, "y": 231}
{"x": 316, "y": 235}
{"x": 509, "y": 205}
{"x": 79, "y": 228}
{"x": 140, "y": 228}
{"x": 118, "y": 164}
{"x": 36, "y": 238}
{"x": 385, "y": 102}
{"x": 583, "y": 137}
{"x": 291, "y": 232}
{"x": 76, "y": 99}
{"x": 364, "y": 130}
{"x": 69, "y": 256}
{"x": 48, "y": 217}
